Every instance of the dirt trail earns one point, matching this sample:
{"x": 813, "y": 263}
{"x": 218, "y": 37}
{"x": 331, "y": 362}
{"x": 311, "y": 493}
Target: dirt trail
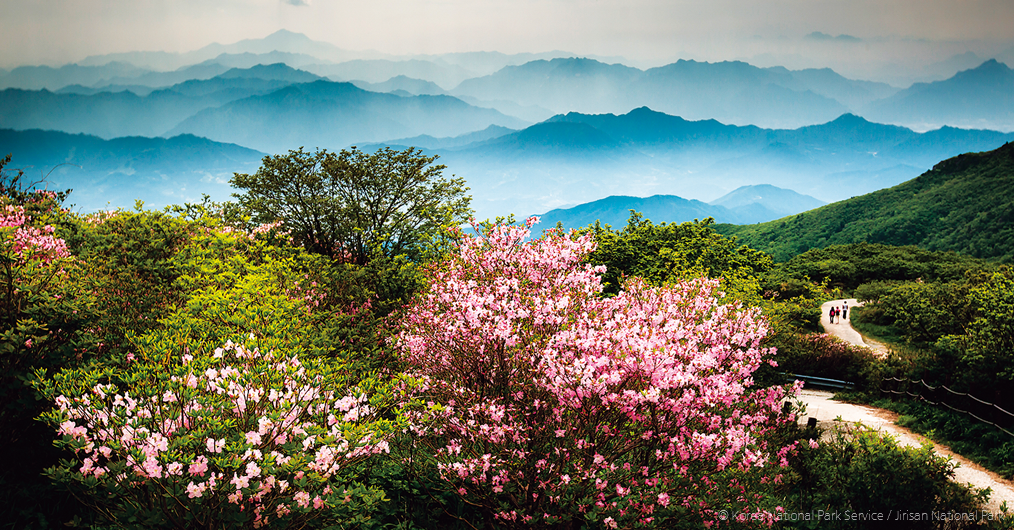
{"x": 842, "y": 327}
{"x": 820, "y": 405}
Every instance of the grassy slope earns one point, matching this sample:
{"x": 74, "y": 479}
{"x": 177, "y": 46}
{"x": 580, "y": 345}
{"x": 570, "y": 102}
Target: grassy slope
{"x": 964, "y": 204}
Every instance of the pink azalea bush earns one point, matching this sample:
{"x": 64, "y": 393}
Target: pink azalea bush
{"x": 549, "y": 404}
{"x": 25, "y": 242}
{"x": 238, "y": 438}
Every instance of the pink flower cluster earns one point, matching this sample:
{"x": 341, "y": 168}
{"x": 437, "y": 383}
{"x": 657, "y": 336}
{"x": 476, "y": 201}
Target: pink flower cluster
{"x": 273, "y": 425}
{"x": 552, "y": 396}
{"x": 28, "y": 242}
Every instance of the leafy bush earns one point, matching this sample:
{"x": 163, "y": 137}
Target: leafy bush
{"x": 44, "y": 321}
{"x": 673, "y": 252}
{"x": 127, "y": 262}
{"x": 859, "y": 470}
{"x": 989, "y": 343}
{"x": 821, "y": 355}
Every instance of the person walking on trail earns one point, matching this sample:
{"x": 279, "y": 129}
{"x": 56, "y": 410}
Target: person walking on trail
{"x": 830, "y": 314}
{"x": 845, "y": 311}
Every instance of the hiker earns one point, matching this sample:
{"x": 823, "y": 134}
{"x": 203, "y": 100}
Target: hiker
{"x": 830, "y": 315}
{"x": 845, "y": 311}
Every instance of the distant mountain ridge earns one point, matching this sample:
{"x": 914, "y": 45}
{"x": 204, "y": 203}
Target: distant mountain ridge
{"x": 964, "y": 204}
{"x": 746, "y": 205}
{"x": 981, "y": 97}
{"x": 246, "y": 106}
{"x": 579, "y": 158}
{"x": 535, "y": 87}
{"x": 115, "y": 173}
{"x": 334, "y": 115}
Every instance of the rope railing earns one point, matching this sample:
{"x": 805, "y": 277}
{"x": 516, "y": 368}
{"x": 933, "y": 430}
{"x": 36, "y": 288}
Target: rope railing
{"x": 992, "y": 407}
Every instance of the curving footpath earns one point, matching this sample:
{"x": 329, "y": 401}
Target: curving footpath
{"x": 843, "y": 329}
{"x": 820, "y": 405}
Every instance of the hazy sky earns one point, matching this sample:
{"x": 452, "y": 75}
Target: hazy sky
{"x": 918, "y": 32}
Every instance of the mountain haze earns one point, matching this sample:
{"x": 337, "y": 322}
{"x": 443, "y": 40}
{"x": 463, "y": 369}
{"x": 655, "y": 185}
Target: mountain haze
{"x": 981, "y": 97}
{"x": 334, "y": 115}
{"x": 579, "y": 158}
{"x": 115, "y": 173}
{"x": 746, "y": 205}
{"x": 731, "y": 92}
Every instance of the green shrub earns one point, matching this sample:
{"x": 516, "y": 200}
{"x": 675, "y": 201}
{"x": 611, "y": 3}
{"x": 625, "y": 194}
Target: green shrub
{"x": 821, "y": 355}
{"x": 857, "y": 470}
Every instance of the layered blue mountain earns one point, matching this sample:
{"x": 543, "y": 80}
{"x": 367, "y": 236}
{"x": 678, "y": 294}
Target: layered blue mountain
{"x": 746, "y": 205}
{"x": 534, "y": 87}
{"x": 731, "y": 92}
{"x": 103, "y": 114}
{"x": 981, "y": 97}
{"x": 615, "y": 211}
{"x": 381, "y": 70}
{"x": 333, "y": 115}
{"x": 39, "y": 77}
{"x": 764, "y": 202}
{"x": 404, "y": 84}
{"x": 115, "y": 173}
{"x": 579, "y": 158}
{"x": 124, "y": 113}
{"x": 280, "y": 41}
{"x": 273, "y": 108}
{"x": 425, "y": 141}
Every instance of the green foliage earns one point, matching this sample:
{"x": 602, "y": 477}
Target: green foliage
{"x": 852, "y": 265}
{"x": 127, "y": 263}
{"x": 670, "y": 252}
{"x": 964, "y": 204}
{"x": 924, "y": 312}
{"x": 822, "y": 355}
{"x": 250, "y": 291}
{"x": 956, "y": 334}
{"x": 989, "y": 344}
{"x": 346, "y": 205}
{"x": 863, "y": 471}
{"x": 44, "y": 325}
{"x": 963, "y": 327}
{"x": 870, "y": 321}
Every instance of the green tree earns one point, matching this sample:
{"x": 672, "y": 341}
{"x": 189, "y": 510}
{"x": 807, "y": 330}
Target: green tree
{"x": 670, "y": 252}
{"x": 349, "y": 204}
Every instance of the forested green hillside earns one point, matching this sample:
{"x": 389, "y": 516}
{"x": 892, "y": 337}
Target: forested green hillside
{"x": 964, "y": 204}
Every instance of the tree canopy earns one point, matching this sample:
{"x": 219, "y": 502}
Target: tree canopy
{"x": 348, "y": 204}
{"x": 669, "y": 252}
